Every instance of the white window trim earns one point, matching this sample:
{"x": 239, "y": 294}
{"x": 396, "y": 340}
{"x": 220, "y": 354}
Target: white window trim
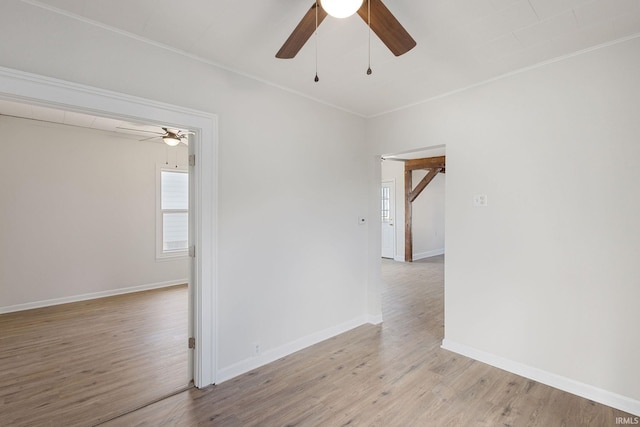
{"x": 161, "y": 255}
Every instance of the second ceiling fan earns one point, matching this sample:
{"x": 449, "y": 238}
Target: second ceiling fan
{"x": 373, "y": 12}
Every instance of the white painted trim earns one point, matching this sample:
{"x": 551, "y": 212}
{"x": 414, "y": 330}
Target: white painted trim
{"x": 421, "y": 255}
{"x": 557, "y": 381}
{"x": 90, "y": 296}
{"x": 39, "y": 90}
{"x": 287, "y": 349}
{"x": 428, "y": 254}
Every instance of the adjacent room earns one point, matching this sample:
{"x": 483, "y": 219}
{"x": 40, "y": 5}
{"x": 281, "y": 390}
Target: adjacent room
{"x": 289, "y": 109}
{"x": 95, "y": 298}
{"x": 413, "y": 207}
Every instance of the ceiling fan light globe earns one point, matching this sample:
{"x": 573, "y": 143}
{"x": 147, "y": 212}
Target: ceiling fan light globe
{"x": 171, "y": 141}
{"x": 341, "y": 8}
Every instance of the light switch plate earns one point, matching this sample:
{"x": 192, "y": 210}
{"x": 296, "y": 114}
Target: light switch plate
{"x": 480, "y": 200}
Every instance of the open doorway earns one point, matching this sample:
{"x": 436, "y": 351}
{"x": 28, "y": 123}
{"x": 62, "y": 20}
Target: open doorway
{"x": 45, "y": 91}
{"x": 94, "y": 320}
{"x": 426, "y": 220}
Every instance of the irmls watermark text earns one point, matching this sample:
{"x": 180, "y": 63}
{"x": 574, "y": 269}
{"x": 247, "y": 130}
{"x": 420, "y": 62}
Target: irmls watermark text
{"x": 627, "y": 420}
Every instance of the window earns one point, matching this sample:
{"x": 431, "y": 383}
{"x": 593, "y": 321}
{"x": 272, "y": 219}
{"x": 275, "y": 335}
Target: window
{"x": 172, "y": 228}
{"x": 386, "y": 211}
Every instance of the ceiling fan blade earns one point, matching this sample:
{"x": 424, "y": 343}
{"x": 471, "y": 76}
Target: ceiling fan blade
{"x": 302, "y": 32}
{"x": 140, "y": 130}
{"x": 395, "y": 159}
{"x": 150, "y": 138}
{"x": 387, "y": 27}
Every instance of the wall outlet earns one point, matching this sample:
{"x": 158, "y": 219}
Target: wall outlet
{"x": 257, "y": 350}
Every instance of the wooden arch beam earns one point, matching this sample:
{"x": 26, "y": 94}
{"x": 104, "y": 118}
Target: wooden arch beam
{"x": 423, "y": 183}
{"x": 434, "y": 166}
{"x": 426, "y": 163}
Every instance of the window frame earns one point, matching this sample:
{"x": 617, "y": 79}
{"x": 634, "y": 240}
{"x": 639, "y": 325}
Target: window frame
{"x": 161, "y": 254}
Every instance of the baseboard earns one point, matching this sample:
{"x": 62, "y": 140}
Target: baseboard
{"x": 272, "y": 355}
{"x": 428, "y": 254}
{"x": 421, "y": 255}
{"x": 89, "y": 296}
{"x": 587, "y": 391}
{"x": 374, "y": 320}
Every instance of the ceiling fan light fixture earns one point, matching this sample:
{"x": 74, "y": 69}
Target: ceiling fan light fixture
{"x": 341, "y": 8}
{"x": 171, "y": 140}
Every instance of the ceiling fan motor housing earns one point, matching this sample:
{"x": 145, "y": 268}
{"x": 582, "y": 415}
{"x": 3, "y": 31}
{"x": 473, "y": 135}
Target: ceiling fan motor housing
{"x": 341, "y": 8}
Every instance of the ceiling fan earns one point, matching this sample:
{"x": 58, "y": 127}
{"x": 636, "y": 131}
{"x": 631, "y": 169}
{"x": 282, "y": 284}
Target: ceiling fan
{"x": 373, "y": 12}
{"x": 171, "y": 137}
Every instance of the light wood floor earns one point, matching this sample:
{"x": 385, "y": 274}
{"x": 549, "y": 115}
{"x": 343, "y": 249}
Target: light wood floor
{"x": 81, "y": 363}
{"x": 391, "y": 375}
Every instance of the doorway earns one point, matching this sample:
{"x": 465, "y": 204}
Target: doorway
{"x": 109, "y": 316}
{"x": 427, "y": 209}
{"x": 39, "y": 90}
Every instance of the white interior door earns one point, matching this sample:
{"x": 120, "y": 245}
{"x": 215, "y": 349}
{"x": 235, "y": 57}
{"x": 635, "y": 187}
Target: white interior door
{"x": 388, "y": 211}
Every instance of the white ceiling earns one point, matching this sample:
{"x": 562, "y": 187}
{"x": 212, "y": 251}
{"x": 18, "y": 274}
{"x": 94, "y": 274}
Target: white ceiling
{"x": 459, "y": 42}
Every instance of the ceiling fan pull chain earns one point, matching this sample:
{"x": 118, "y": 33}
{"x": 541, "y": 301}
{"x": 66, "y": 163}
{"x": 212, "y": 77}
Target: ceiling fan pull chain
{"x": 316, "y": 79}
{"x": 369, "y": 21}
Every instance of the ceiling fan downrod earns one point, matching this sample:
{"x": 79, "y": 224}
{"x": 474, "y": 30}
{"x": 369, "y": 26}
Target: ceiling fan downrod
{"x": 316, "y": 79}
{"x": 369, "y": 25}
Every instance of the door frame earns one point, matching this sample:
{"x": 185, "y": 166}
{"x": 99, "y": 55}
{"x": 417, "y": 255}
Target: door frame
{"x": 49, "y": 92}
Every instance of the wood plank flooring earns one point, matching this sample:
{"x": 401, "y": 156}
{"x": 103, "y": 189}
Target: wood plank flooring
{"x": 82, "y": 363}
{"x": 390, "y": 375}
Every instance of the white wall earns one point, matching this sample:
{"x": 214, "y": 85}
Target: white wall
{"x": 427, "y": 212}
{"x": 292, "y": 259}
{"x": 544, "y": 279}
{"x": 78, "y": 214}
